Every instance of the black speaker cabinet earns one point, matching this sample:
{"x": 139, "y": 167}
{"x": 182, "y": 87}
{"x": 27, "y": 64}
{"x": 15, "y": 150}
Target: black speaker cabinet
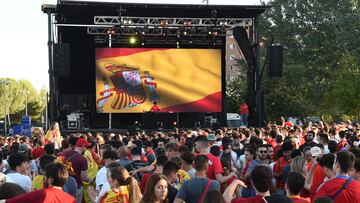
{"x": 275, "y": 61}
{"x": 61, "y": 60}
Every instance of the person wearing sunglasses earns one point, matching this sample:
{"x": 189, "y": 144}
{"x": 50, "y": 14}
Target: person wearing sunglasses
{"x": 261, "y": 159}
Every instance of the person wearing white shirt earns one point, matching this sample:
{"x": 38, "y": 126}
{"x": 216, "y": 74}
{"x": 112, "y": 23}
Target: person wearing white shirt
{"x": 20, "y": 166}
{"x": 101, "y": 178}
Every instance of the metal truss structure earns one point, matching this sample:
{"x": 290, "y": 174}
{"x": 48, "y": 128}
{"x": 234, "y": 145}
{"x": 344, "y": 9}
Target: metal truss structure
{"x": 165, "y": 26}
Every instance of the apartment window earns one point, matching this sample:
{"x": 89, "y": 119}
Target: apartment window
{"x": 231, "y": 46}
{"x": 232, "y": 57}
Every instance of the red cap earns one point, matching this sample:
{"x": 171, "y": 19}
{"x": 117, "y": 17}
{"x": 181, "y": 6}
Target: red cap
{"x": 82, "y": 142}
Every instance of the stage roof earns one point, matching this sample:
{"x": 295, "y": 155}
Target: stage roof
{"x": 84, "y": 11}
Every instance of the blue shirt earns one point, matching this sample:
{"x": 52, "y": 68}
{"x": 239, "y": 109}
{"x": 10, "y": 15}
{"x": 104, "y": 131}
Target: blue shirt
{"x": 191, "y": 190}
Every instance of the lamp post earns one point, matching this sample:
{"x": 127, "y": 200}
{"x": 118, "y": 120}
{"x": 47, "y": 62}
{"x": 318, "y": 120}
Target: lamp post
{"x": 5, "y": 83}
{"x": 26, "y": 98}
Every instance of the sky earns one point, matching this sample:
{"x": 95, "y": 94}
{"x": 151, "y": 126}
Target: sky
{"x": 23, "y": 37}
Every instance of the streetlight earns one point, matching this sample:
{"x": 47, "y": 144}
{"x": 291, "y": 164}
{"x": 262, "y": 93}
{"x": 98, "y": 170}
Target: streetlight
{"x": 5, "y": 83}
{"x": 26, "y": 97}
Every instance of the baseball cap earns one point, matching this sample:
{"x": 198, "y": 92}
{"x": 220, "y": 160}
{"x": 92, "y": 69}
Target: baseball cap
{"x": 211, "y": 137}
{"x": 315, "y": 151}
{"x": 23, "y": 148}
{"x": 82, "y": 142}
{"x": 201, "y": 138}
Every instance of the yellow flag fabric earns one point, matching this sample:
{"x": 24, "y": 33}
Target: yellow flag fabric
{"x": 91, "y": 173}
{"x": 38, "y": 182}
{"x": 183, "y": 176}
{"x": 180, "y": 80}
{"x": 118, "y": 195}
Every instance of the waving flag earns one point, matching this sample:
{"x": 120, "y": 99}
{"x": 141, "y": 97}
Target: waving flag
{"x": 179, "y": 80}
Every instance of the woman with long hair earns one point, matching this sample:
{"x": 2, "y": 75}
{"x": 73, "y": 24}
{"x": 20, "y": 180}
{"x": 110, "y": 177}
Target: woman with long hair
{"x": 124, "y": 188}
{"x": 53, "y": 135}
{"x": 298, "y": 164}
{"x": 156, "y": 190}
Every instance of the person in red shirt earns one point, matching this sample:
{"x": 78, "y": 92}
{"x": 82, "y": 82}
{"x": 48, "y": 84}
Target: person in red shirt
{"x": 343, "y": 142}
{"x": 155, "y": 107}
{"x": 294, "y": 184}
{"x": 342, "y": 188}
{"x": 226, "y": 163}
{"x": 279, "y": 165}
{"x": 271, "y": 140}
{"x": 160, "y": 162}
{"x": 244, "y": 113}
{"x": 38, "y": 151}
{"x": 316, "y": 174}
{"x": 55, "y": 178}
{"x": 215, "y": 169}
{"x": 261, "y": 178}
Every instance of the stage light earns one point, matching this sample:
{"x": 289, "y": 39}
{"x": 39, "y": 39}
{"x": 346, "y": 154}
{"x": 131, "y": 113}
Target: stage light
{"x": 163, "y": 23}
{"x": 127, "y": 22}
{"x": 111, "y": 31}
{"x": 143, "y": 44}
{"x": 187, "y": 23}
{"x": 222, "y": 23}
{"x": 185, "y": 33}
{"x": 210, "y": 32}
{"x": 132, "y": 40}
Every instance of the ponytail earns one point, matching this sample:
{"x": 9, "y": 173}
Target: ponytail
{"x": 134, "y": 191}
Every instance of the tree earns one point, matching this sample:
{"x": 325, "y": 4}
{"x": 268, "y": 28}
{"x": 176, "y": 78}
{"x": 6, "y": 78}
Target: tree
{"x": 16, "y": 91}
{"x": 321, "y": 59}
{"x": 236, "y": 89}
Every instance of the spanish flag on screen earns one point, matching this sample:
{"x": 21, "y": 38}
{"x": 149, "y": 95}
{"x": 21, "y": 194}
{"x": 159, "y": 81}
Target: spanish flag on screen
{"x": 129, "y": 80}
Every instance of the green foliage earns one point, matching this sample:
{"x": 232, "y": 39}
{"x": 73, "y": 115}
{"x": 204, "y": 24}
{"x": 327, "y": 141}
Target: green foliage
{"x": 236, "y": 89}
{"x": 321, "y": 58}
{"x": 17, "y": 92}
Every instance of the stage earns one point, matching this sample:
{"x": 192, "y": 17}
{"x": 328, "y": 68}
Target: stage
{"x": 78, "y": 30}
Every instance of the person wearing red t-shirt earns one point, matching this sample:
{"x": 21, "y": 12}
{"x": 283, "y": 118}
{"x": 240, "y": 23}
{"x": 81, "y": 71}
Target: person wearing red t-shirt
{"x": 160, "y": 162}
{"x": 155, "y": 107}
{"x": 261, "y": 179}
{"x": 342, "y": 188}
{"x": 226, "y": 164}
{"x": 215, "y": 170}
{"x": 38, "y": 151}
{"x": 279, "y": 165}
{"x": 244, "y": 113}
{"x": 55, "y": 178}
{"x": 294, "y": 184}
{"x": 343, "y": 142}
{"x": 271, "y": 140}
{"x": 316, "y": 174}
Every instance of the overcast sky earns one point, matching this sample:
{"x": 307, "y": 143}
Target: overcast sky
{"x": 23, "y": 37}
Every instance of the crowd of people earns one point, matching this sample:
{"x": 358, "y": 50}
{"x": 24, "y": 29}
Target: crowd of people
{"x": 284, "y": 162}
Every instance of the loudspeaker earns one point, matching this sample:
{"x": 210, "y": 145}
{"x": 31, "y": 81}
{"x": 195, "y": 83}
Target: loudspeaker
{"x": 275, "y": 61}
{"x": 61, "y": 60}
